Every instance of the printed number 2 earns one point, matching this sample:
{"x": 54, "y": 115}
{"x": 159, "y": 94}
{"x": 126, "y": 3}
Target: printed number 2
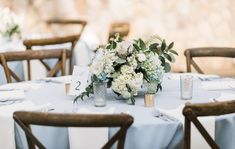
{"x": 78, "y": 84}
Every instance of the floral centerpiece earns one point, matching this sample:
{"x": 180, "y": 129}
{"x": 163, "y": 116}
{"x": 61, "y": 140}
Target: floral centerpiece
{"x": 9, "y": 24}
{"x": 127, "y": 65}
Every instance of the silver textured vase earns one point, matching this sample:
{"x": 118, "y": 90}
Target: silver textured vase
{"x": 100, "y": 93}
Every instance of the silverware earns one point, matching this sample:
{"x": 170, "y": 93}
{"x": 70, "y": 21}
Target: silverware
{"x": 163, "y": 116}
{"x": 213, "y": 78}
{"x": 50, "y": 81}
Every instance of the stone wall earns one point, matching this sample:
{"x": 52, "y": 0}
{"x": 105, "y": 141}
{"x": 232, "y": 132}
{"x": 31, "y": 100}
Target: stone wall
{"x": 190, "y": 23}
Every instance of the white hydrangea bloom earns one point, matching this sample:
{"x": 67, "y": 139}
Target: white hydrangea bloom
{"x": 97, "y": 65}
{"x": 141, "y": 57}
{"x": 124, "y": 47}
{"x": 126, "y": 69}
{"x": 153, "y": 39}
{"x": 134, "y": 81}
{"x": 132, "y": 61}
{"x": 110, "y": 57}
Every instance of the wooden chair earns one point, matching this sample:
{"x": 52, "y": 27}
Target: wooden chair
{"x": 60, "y": 54}
{"x": 122, "y": 28}
{"x": 73, "y": 39}
{"x": 81, "y": 23}
{"x": 30, "y": 43}
{"x": 192, "y": 111}
{"x": 25, "y": 119}
{"x": 206, "y": 52}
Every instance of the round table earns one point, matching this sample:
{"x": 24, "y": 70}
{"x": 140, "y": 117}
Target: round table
{"x": 147, "y": 131}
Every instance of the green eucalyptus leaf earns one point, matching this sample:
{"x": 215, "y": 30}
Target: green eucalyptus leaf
{"x": 167, "y": 67}
{"x": 171, "y": 45}
{"x": 163, "y": 46}
{"x": 162, "y": 59}
{"x": 174, "y": 52}
{"x": 115, "y": 74}
{"x": 168, "y": 57}
{"x": 153, "y": 47}
{"x": 120, "y": 61}
{"x": 136, "y": 47}
{"x": 159, "y": 87}
{"x": 142, "y": 44}
{"x": 172, "y": 57}
{"x": 113, "y": 44}
{"x": 108, "y": 47}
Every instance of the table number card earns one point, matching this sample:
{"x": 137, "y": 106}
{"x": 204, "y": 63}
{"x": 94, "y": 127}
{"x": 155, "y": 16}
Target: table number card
{"x": 80, "y": 80}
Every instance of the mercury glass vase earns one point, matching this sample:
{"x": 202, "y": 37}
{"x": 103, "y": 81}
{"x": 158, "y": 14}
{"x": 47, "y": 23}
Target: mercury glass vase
{"x": 100, "y": 93}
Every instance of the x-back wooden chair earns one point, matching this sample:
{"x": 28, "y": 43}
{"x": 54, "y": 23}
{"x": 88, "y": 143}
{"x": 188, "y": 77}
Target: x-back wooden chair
{"x": 122, "y": 28}
{"x": 25, "y": 119}
{"x": 193, "y": 111}
{"x": 59, "y": 54}
{"x": 30, "y": 43}
{"x": 68, "y": 22}
{"x": 206, "y": 52}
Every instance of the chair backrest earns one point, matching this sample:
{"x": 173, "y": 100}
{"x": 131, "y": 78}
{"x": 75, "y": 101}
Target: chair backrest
{"x": 123, "y": 121}
{"x": 67, "y": 22}
{"x": 73, "y": 39}
{"x": 206, "y": 52}
{"x": 59, "y": 54}
{"x": 122, "y": 28}
{"x": 192, "y": 111}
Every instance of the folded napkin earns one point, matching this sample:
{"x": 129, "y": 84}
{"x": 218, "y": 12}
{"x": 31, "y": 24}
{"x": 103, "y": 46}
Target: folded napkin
{"x": 62, "y": 79}
{"x": 225, "y": 97}
{"x": 197, "y": 141}
{"x": 7, "y": 137}
{"x": 218, "y": 85}
{"x": 21, "y": 86}
{"x": 176, "y": 76}
{"x": 11, "y": 95}
{"x": 88, "y": 138}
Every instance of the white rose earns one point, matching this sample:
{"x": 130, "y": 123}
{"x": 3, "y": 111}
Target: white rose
{"x": 124, "y": 47}
{"x": 141, "y": 57}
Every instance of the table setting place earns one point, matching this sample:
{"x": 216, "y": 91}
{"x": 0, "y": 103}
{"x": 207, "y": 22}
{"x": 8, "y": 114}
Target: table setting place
{"x": 124, "y": 77}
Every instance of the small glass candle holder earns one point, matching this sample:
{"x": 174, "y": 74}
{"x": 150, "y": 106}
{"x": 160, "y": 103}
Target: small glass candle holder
{"x": 100, "y": 93}
{"x": 67, "y": 87}
{"x": 186, "y": 87}
{"x": 149, "y": 100}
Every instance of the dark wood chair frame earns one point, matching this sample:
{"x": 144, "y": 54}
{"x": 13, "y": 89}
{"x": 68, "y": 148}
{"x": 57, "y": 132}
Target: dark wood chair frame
{"x": 25, "y": 119}
{"x": 193, "y": 111}
{"x": 59, "y": 54}
{"x": 73, "y": 39}
{"x": 206, "y": 52}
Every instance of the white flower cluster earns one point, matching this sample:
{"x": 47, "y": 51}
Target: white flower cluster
{"x": 127, "y": 65}
{"x": 153, "y": 68}
{"x": 9, "y": 24}
{"x": 128, "y": 82}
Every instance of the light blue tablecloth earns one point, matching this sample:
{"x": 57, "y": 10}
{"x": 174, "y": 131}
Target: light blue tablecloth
{"x": 147, "y": 132}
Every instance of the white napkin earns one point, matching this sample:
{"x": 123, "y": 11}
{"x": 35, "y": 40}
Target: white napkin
{"x": 176, "y": 76}
{"x": 88, "y": 138}
{"x": 218, "y": 85}
{"x": 11, "y": 95}
{"x": 7, "y": 137}
{"x": 197, "y": 141}
{"x": 21, "y": 86}
{"x": 62, "y": 79}
{"x": 226, "y": 97}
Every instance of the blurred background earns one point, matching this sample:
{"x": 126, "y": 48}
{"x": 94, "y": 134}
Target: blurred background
{"x": 189, "y": 23}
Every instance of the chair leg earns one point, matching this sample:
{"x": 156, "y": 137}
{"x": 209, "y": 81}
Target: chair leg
{"x": 6, "y": 69}
{"x": 187, "y": 134}
{"x": 63, "y": 65}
